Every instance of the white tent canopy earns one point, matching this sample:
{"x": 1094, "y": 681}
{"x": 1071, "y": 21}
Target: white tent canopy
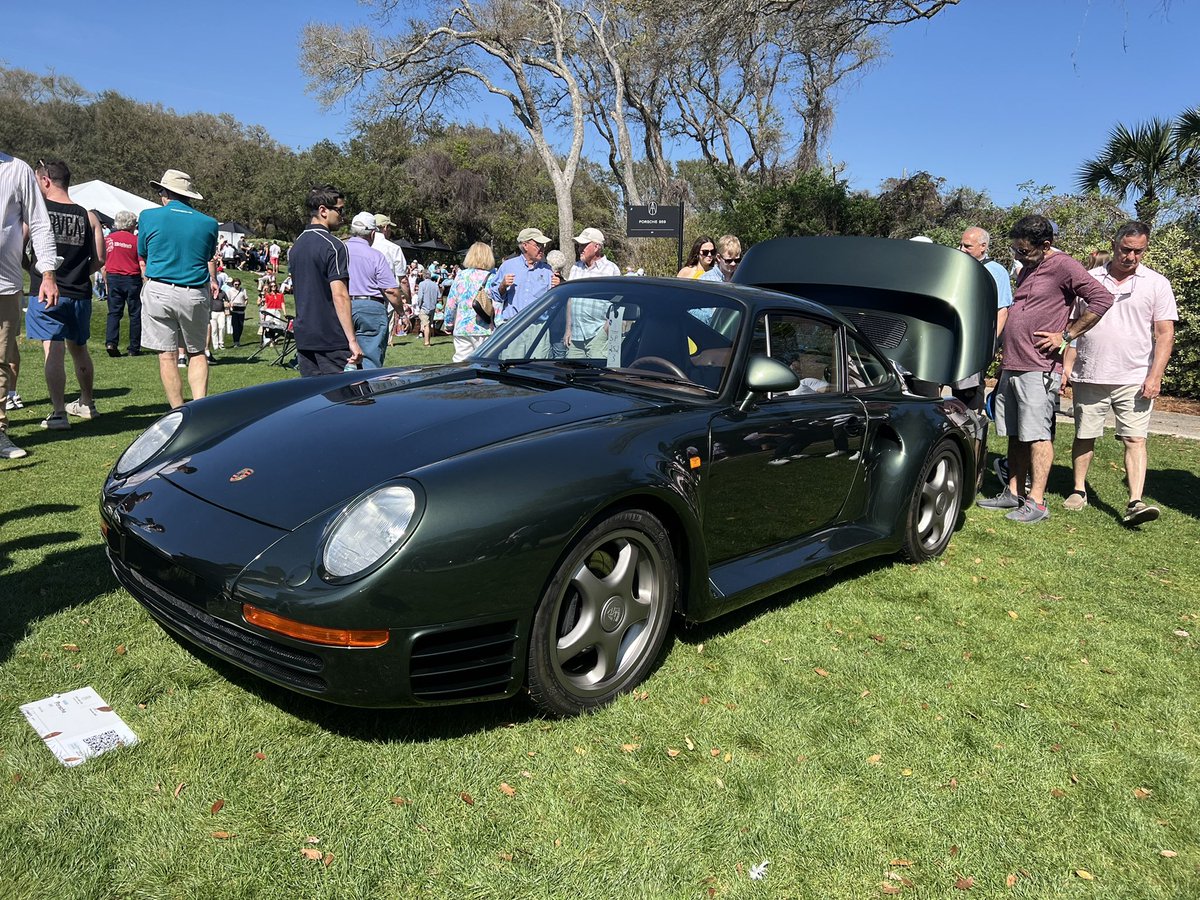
{"x": 107, "y": 199}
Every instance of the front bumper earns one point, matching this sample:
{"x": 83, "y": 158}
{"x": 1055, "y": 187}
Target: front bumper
{"x": 181, "y": 558}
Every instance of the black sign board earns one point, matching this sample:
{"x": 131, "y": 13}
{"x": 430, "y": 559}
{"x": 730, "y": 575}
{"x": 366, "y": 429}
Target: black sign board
{"x": 655, "y": 220}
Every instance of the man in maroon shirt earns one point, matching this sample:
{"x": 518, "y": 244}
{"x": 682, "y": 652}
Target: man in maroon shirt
{"x": 123, "y": 275}
{"x": 1035, "y": 335}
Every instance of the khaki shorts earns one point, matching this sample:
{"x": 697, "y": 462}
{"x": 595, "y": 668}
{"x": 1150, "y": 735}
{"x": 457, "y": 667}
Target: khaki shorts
{"x": 1094, "y": 401}
{"x": 174, "y": 317}
{"x": 424, "y": 318}
{"x": 1026, "y": 403}
{"x": 10, "y": 352}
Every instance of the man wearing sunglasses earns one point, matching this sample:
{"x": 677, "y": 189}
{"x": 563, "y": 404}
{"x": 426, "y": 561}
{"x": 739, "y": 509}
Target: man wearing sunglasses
{"x": 320, "y": 267}
{"x": 1038, "y": 329}
{"x": 729, "y": 254}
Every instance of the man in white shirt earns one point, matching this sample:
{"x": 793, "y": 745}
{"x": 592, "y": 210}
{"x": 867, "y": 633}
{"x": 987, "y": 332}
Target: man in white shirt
{"x": 1119, "y": 366}
{"x": 394, "y": 254}
{"x": 22, "y": 207}
{"x": 586, "y": 331}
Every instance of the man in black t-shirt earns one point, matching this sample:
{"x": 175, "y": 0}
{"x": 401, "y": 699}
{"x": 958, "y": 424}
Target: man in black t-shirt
{"x": 67, "y": 322}
{"x": 320, "y": 269}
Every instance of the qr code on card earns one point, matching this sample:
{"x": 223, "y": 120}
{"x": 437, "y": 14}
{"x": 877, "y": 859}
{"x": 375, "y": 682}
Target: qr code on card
{"x": 102, "y": 742}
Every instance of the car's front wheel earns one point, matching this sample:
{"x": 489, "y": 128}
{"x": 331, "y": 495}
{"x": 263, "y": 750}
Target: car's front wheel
{"x": 936, "y": 504}
{"x": 603, "y": 620}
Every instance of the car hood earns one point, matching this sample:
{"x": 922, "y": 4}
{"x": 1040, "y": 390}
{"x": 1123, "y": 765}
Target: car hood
{"x": 290, "y": 464}
{"x": 930, "y": 309}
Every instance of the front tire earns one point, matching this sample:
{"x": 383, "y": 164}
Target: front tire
{"x": 935, "y": 505}
{"x": 603, "y": 620}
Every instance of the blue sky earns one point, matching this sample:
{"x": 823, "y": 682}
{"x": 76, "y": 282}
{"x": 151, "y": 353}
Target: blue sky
{"x": 989, "y": 94}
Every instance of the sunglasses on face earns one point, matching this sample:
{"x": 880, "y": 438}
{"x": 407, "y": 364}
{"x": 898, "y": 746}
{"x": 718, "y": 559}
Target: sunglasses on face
{"x": 730, "y": 260}
{"x": 709, "y": 252}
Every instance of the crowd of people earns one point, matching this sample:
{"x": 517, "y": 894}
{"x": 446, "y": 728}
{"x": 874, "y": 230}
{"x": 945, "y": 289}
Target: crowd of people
{"x": 1105, "y": 328}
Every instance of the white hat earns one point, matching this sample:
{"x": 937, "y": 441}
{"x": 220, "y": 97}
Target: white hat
{"x": 922, "y": 239}
{"x": 177, "y": 183}
{"x": 363, "y": 222}
{"x": 532, "y": 234}
{"x": 590, "y": 236}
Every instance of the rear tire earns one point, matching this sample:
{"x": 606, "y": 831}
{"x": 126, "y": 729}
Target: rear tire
{"x": 936, "y": 504}
{"x": 602, "y": 622}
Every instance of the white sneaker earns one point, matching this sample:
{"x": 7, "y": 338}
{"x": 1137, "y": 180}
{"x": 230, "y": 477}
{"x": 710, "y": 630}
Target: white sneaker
{"x": 77, "y": 408}
{"x": 9, "y": 450}
{"x": 13, "y": 401}
{"x": 57, "y": 421}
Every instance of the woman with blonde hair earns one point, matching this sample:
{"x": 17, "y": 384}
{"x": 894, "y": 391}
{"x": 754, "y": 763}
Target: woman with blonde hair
{"x": 469, "y": 326}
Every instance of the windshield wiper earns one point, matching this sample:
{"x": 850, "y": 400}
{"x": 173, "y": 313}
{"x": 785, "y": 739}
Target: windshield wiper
{"x": 664, "y": 378}
{"x": 506, "y": 364}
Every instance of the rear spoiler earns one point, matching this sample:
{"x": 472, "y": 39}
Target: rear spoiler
{"x": 931, "y": 310}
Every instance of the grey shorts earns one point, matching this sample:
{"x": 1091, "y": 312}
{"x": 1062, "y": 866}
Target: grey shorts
{"x": 1026, "y": 403}
{"x": 1093, "y": 402}
{"x": 174, "y": 317}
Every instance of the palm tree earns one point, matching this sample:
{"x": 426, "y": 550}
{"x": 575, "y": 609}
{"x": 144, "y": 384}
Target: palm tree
{"x": 1143, "y": 161}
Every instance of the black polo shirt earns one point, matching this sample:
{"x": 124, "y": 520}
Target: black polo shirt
{"x": 316, "y": 259}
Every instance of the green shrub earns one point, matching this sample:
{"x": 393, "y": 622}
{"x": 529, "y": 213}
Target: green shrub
{"x": 1176, "y": 254}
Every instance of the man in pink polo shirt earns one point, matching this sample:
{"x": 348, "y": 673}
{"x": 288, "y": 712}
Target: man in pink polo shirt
{"x": 1036, "y": 333}
{"x": 1119, "y": 366}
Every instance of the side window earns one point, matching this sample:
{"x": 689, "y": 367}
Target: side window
{"x": 806, "y": 346}
{"x": 863, "y": 368}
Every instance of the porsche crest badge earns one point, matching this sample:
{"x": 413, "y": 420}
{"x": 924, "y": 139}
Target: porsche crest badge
{"x": 241, "y": 474}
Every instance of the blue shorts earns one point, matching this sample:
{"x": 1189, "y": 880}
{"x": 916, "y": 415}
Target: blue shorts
{"x": 69, "y": 320}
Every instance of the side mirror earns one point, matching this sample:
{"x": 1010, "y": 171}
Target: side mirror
{"x": 767, "y": 376}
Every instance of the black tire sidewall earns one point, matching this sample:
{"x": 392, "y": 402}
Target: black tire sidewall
{"x": 913, "y": 550}
{"x": 545, "y": 690}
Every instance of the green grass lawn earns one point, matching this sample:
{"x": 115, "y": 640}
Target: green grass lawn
{"x": 1021, "y": 712}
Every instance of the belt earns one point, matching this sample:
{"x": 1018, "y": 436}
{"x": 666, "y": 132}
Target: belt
{"x": 365, "y": 297}
{"x": 196, "y": 287}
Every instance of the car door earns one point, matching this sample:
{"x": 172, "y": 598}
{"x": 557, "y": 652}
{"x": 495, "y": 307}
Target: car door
{"x": 783, "y": 468}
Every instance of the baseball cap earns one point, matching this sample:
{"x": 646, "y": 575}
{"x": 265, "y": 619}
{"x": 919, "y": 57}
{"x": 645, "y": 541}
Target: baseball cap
{"x": 532, "y": 234}
{"x": 590, "y": 235}
{"x": 382, "y": 221}
{"x": 364, "y": 221}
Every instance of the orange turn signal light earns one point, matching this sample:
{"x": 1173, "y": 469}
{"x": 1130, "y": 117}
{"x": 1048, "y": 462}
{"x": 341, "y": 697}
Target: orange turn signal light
{"x": 694, "y": 462}
{"x": 314, "y": 634}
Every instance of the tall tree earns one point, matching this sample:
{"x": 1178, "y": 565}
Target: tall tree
{"x": 518, "y": 50}
{"x": 1153, "y": 162}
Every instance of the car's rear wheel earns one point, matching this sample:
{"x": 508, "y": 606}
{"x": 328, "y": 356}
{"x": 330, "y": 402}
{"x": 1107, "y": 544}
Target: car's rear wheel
{"x": 936, "y": 504}
{"x": 603, "y": 620}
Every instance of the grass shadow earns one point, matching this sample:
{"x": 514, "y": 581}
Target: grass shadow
{"x": 1181, "y": 485}
{"x": 62, "y": 579}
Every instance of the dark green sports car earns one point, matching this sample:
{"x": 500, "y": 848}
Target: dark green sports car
{"x": 623, "y": 453}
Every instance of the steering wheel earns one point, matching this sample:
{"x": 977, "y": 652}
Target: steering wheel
{"x": 661, "y": 363}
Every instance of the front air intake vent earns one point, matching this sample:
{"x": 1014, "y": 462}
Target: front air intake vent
{"x": 464, "y": 663}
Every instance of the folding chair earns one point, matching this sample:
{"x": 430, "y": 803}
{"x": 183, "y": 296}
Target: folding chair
{"x": 280, "y": 336}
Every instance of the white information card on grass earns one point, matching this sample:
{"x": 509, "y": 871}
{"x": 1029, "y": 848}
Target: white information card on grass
{"x": 78, "y": 725}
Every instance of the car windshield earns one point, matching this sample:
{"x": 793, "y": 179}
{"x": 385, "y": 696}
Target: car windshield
{"x": 641, "y": 330}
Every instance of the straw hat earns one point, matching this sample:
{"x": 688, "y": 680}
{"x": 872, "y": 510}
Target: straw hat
{"x": 177, "y": 183}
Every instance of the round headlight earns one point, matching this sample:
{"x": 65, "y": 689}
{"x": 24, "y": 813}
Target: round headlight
{"x": 149, "y": 442}
{"x": 370, "y": 528}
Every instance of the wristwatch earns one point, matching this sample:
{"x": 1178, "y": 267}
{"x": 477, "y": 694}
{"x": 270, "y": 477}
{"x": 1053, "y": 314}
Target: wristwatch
{"x": 1066, "y": 335}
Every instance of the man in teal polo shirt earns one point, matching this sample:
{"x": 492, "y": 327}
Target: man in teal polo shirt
{"x": 178, "y": 244}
